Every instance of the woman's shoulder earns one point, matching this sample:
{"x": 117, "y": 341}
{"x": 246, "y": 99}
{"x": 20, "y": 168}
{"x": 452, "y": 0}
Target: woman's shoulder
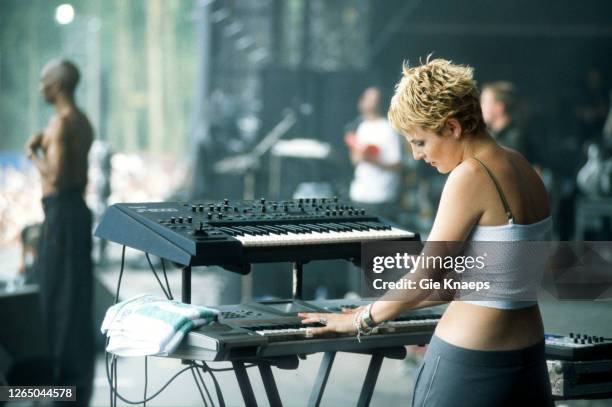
{"x": 468, "y": 171}
{"x": 466, "y": 182}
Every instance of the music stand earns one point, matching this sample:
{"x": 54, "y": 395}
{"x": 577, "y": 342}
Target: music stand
{"x": 248, "y": 164}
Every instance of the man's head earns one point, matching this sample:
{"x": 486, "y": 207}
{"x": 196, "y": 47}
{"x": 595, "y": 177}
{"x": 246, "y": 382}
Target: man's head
{"x": 59, "y": 77}
{"x": 369, "y": 102}
{"x": 498, "y": 101}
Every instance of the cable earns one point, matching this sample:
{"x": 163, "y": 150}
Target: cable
{"x": 217, "y": 389}
{"x": 108, "y": 377}
{"x": 207, "y": 368}
{"x": 163, "y": 263}
{"x": 198, "y": 385}
{"x": 120, "y": 274}
{"x": 144, "y": 403}
{"x": 197, "y": 368}
{"x": 156, "y": 276}
{"x": 115, "y": 380}
{"x": 157, "y": 393}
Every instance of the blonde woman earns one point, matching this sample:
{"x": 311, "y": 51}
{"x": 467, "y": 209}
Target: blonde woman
{"x": 483, "y": 353}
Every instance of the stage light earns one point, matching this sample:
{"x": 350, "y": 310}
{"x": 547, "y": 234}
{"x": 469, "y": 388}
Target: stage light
{"x": 64, "y": 14}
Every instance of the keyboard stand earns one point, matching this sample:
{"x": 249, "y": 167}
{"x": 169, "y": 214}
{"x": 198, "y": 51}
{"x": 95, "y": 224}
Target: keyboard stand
{"x": 297, "y": 268}
{"x": 186, "y": 285}
{"x": 267, "y": 377}
{"x": 371, "y": 376}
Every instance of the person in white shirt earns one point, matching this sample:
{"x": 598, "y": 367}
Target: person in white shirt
{"x": 375, "y": 150}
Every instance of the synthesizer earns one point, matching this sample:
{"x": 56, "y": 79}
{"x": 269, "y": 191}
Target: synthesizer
{"x": 579, "y": 366}
{"x": 272, "y": 328}
{"x": 576, "y": 346}
{"x": 238, "y": 233}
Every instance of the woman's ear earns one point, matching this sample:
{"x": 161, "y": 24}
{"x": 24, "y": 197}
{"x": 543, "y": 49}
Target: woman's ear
{"x": 454, "y": 128}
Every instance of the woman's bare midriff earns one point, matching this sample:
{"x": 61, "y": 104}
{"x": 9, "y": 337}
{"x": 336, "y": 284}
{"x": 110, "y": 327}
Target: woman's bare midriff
{"x": 482, "y": 328}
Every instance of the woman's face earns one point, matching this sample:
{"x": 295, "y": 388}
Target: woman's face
{"x": 441, "y": 151}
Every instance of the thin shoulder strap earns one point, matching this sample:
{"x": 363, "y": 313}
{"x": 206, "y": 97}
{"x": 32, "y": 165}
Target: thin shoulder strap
{"x": 499, "y": 190}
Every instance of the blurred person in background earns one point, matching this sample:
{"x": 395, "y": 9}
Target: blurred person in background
{"x": 101, "y": 168}
{"x": 64, "y": 265}
{"x": 375, "y": 150}
{"x": 591, "y": 106}
{"x": 499, "y": 102}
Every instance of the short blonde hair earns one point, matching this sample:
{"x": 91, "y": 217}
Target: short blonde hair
{"x": 428, "y": 95}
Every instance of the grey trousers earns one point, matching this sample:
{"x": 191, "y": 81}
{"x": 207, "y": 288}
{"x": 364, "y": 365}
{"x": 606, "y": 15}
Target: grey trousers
{"x": 455, "y": 376}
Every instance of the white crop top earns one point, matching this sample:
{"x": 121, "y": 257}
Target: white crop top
{"x": 513, "y": 270}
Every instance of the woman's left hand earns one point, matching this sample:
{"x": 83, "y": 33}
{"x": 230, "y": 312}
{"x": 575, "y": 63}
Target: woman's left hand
{"x": 339, "y": 323}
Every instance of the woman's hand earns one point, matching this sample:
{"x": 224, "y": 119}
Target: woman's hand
{"x": 338, "y": 323}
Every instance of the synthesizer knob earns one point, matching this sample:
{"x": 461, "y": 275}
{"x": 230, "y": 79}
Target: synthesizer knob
{"x": 194, "y": 208}
{"x": 201, "y": 208}
{"x": 220, "y": 216}
{"x": 200, "y": 230}
{"x": 335, "y": 199}
{"x": 601, "y": 339}
{"x": 180, "y": 219}
{"x": 274, "y": 206}
{"x": 327, "y": 212}
{"x": 263, "y": 208}
{"x": 189, "y": 219}
{"x": 209, "y": 216}
{"x": 226, "y": 201}
{"x": 263, "y": 201}
{"x": 173, "y": 220}
{"x": 571, "y": 334}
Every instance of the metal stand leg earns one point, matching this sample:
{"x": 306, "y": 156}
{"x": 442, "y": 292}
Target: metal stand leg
{"x": 244, "y": 383}
{"x": 186, "y": 285}
{"x": 186, "y": 294}
{"x": 370, "y": 380}
{"x": 321, "y": 379}
{"x": 270, "y": 385}
{"x": 297, "y": 268}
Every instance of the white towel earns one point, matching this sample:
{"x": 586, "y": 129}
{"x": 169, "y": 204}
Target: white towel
{"x": 148, "y": 325}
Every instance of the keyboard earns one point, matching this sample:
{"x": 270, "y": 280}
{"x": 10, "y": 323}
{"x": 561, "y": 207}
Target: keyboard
{"x": 243, "y": 232}
{"x": 272, "y": 328}
{"x": 576, "y": 346}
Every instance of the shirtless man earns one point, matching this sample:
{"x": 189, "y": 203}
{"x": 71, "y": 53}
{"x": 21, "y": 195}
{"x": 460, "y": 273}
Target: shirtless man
{"x": 65, "y": 142}
{"x": 64, "y": 266}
